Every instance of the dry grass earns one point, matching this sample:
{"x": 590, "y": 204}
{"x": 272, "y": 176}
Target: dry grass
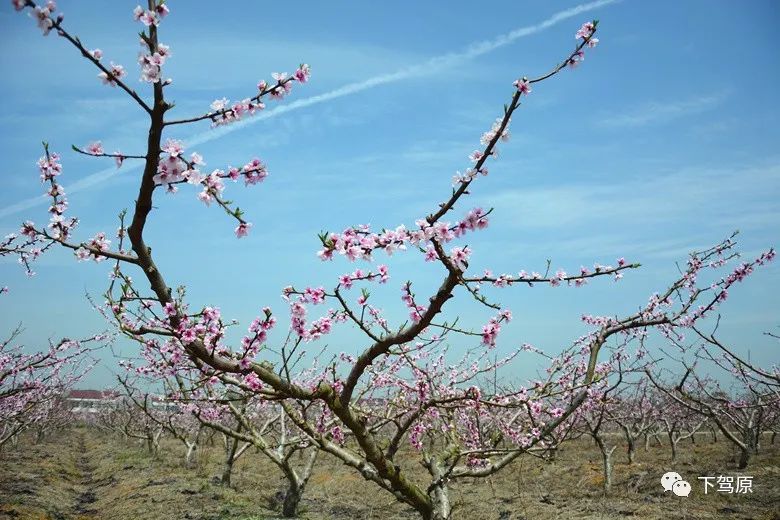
{"x": 84, "y": 475}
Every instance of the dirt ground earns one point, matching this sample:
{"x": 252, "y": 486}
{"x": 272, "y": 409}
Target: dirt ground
{"x": 83, "y": 474}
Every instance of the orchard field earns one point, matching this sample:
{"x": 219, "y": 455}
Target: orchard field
{"x": 364, "y": 334}
{"x": 82, "y": 473}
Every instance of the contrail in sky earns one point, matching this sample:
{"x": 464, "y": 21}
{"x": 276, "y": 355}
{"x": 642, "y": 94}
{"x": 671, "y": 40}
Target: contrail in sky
{"x": 437, "y": 62}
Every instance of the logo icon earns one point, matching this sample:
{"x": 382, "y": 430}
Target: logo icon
{"x": 681, "y": 488}
{"x": 672, "y": 481}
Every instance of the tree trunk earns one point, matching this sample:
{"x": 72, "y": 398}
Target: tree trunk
{"x": 606, "y": 456}
{"x": 673, "y": 444}
{"x": 748, "y": 447}
{"x": 744, "y": 457}
{"x": 439, "y": 507}
{"x": 757, "y": 440}
{"x": 442, "y": 509}
{"x": 292, "y": 498}
{"x": 630, "y": 444}
{"x": 227, "y": 471}
{"x": 192, "y": 454}
{"x": 296, "y": 483}
{"x": 231, "y": 454}
{"x": 553, "y": 455}
{"x": 759, "y": 426}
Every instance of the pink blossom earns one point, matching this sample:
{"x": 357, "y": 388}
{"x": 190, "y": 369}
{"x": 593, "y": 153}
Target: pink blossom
{"x": 82, "y": 254}
{"x": 95, "y": 148}
{"x": 169, "y": 309}
{"x": 99, "y": 243}
{"x": 254, "y": 172}
{"x": 219, "y": 104}
{"x": 384, "y": 276}
{"x": 523, "y": 86}
{"x": 281, "y": 87}
{"x": 490, "y": 332}
{"x": 488, "y": 136}
{"x": 245, "y": 363}
{"x": 315, "y": 296}
{"x": 163, "y": 51}
{"x": 476, "y": 155}
{"x": 195, "y": 158}
{"x": 170, "y": 169}
{"x": 576, "y": 58}
{"x": 252, "y": 381}
{"x": 45, "y": 22}
{"x": 28, "y": 229}
{"x": 150, "y": 74}
{"x": 115, "y": 72}
{"x": 318, "y": 328}
{"x": 303, "y": 73}
{"x": 460, "y": 257}
{"x": 556, "y": 412}
{"x": 243, "y": 229}
{"x": 188, "y": 336}
{"x": 585, "y": 31}
{"x": 148, "y": 18}
{"x": 173, "y": 147}
{"x": 337, "y": 434}
{"x": 162, "y": 10}
{"x": 345, "y": 281}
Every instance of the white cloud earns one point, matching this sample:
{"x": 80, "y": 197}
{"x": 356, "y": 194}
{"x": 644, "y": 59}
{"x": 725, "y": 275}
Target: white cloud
{"x": 661, "y": 112}
{"x": 655, "y": 215}
{"x": 428, "y": 67}
{"x": 719, "y": 193}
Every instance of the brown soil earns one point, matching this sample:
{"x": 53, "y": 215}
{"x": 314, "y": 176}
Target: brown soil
{"x": 86, "y": 475}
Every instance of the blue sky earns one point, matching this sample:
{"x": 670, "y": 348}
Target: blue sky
{"x": 663, "y": 141}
